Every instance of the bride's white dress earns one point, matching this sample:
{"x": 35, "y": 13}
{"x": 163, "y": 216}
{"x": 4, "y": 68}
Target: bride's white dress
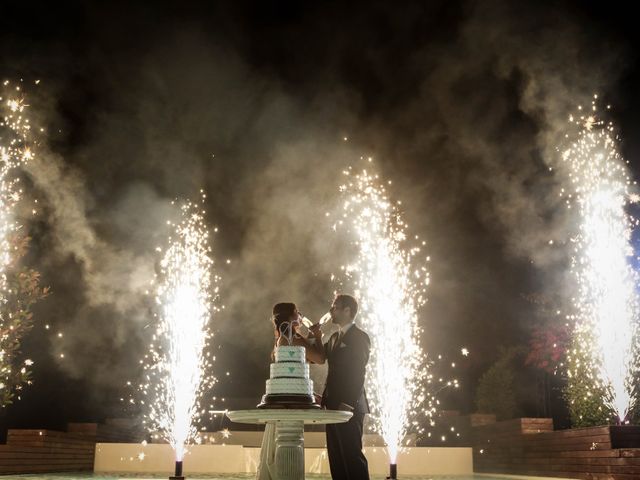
{"x": 266, "y": 467}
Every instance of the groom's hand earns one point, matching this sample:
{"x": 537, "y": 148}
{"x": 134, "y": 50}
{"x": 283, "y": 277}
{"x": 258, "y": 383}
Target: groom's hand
{"x": 315, "y": 329}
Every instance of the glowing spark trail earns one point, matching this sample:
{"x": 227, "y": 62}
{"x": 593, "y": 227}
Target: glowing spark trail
{"x": 178, "y": 372}
{"x": 606, "y": 303}
{"x": 390, "y": 291}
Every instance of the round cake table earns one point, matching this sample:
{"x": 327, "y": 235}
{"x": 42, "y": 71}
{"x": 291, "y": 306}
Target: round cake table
{"x": 282, "y": 451}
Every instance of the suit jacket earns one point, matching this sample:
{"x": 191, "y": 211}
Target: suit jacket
{"x": 347, "y": 365}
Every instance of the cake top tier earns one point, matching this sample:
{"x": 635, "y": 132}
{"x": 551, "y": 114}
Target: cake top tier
{"x": 290, "y": 354}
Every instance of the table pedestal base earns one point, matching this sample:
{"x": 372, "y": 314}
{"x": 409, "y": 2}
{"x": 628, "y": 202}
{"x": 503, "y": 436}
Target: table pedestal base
{"x": 282, "y": 451}
{"x": 289, "y": 452}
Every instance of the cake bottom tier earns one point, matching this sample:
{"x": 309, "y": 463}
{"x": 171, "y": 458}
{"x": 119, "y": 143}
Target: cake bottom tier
{"x": 289, "y": 386}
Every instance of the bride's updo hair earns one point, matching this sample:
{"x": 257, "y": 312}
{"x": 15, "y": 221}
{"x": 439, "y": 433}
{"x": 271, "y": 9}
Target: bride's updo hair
{"x": 282, "y": 313}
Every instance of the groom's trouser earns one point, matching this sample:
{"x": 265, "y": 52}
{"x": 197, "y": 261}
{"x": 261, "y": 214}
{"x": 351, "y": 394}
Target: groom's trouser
{"x": 344, "y": 445}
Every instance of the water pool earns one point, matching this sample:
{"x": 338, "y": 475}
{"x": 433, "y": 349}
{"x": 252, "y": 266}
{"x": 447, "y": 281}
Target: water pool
{"x": 244, "y": 476}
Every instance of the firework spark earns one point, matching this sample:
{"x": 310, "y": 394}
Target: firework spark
{"x": 179, "y": 366}
{"x": 606, "y": 303}
{"x": 391, "y": 291}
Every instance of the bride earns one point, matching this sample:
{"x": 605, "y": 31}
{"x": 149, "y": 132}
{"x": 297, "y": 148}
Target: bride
{"x": 285, "y": 319}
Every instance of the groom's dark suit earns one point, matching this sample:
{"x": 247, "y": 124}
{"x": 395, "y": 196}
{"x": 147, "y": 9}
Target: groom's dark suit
{"x": 347, "y": 356}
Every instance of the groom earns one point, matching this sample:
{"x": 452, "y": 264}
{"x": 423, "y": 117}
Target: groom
{"x": 347, "y": 353}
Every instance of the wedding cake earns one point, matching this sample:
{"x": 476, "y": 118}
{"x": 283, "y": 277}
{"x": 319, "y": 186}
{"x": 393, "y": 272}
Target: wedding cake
{"x": 289, "y": 385}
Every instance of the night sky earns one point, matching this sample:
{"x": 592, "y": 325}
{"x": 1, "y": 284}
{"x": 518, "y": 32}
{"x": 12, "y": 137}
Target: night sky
{"x": 461, "y": 104}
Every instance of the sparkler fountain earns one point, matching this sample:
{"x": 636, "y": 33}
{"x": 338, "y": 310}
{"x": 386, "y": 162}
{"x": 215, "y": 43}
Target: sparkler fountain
{"x": 391, "y": 291}
{"x": 179, "y": 362}
{"x": 606, "y": 303}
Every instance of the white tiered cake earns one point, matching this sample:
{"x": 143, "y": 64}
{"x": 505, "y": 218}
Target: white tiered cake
{"x": 289, "y": 385}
